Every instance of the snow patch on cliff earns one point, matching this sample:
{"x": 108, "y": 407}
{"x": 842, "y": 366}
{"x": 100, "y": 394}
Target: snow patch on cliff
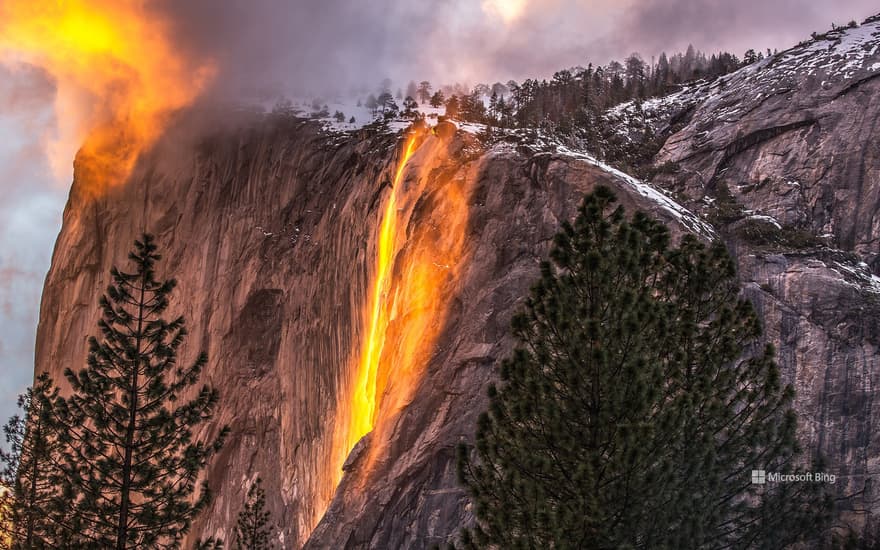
{"x": 764, "y": 218}
{"x": 858, "y": 275}
{"x": 687, "y": 218}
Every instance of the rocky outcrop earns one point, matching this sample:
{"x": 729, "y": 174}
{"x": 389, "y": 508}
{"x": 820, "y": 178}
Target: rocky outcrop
{"x": 270, "y": 229}
{"x": 793, "y": 137}
{"x": 782, "y": 156}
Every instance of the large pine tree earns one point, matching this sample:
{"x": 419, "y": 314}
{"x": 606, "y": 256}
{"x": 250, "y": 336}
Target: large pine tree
{"x": 636, "y": 404}
{"x": 29, "y": 471}
{"x": 131, "y": 464}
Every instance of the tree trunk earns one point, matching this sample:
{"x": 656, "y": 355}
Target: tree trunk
{"x": 124, "y": 493}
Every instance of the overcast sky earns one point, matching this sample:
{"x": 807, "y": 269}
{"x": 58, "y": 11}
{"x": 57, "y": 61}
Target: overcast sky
{"x": 341, "y": 42}
{"x": 337, "y": 44}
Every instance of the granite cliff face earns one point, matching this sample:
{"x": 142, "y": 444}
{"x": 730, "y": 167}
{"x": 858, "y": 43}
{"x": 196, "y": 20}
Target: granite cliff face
{"x": 782, "y": 157}
{"x": 272, "y": 228}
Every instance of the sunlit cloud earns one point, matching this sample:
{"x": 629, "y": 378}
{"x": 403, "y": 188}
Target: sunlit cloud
{"x": 507, "y": 10}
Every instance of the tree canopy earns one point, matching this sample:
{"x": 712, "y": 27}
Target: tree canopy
{"x": 636, "y": 404}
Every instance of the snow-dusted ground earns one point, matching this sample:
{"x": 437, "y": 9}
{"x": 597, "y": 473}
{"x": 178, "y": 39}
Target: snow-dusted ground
{"x": 858, "y": 275}
{"x": 766, "y": 219}
{"x": 351, "y": 108}
{"x": 839, "y": 54}
{"x": 662, "y": 107}
{"x": 834, "y": 58}
{"x": 363, "y": 117}
{"x": 687, "y": 218}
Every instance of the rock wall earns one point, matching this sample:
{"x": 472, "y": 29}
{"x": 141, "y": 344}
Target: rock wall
{"x": 270, "y": 229}
{"x": 782, "y": 156}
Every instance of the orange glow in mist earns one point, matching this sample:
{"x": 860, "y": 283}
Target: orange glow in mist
{"x": 117, "y": 73}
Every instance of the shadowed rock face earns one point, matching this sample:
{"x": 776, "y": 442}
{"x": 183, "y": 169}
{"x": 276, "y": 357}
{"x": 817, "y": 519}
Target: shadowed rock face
{"x": 783, "y": 157}
{"x": 265, "y": 230}
{"x": 271, "y": 232}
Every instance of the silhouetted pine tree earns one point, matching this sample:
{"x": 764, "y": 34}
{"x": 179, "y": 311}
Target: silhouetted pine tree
{"x": 131, "y": 464}
{"x": 253, "y": 530}
{"x": 636, "y": 404}
{"x": 29, "y": 471}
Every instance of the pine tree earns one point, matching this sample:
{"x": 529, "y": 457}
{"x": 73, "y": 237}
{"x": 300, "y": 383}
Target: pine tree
{"x": 424, "y": 91}
{"x": 410, "y": 109}
{"x": 411, "y": 89}
{"x": 452, "y": 107}
{"x": 253, "y": 530}
{"x": 372, "y": 104}
{"x": 131, "y": 464}
{"x": 493, "y": 107}
{"x": 29, "y": 471}
{"x": 438, "y": 99}
{"x": 636, "y": 404}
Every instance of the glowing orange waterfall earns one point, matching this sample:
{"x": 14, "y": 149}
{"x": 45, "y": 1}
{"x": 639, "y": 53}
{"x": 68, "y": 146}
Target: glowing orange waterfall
{"x": 418, "y": 255}
{"x": 364, "y": 400}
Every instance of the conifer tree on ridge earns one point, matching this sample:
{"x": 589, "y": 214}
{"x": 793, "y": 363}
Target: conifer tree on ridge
{"x": 29, "y": 473}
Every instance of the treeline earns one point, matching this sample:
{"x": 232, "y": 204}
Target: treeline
{"x": 574, "y": 97}
{"x": 570, "y": 105}
{"x": 115, "y": 463}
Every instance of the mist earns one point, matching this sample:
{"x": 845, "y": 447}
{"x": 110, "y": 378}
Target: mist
{"x": 30, "y": 214}
{"x": 277, "y": 47}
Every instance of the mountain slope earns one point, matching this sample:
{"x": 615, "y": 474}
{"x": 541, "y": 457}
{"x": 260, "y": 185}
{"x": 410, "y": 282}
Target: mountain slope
{"x": 782, "y": 157}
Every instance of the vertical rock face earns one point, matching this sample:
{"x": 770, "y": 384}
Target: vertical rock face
{"x": 783, "y": 157}
{"x": 266, "y": 230}
{"x": 271, "y": 233}
{"x": 271, "y": 229}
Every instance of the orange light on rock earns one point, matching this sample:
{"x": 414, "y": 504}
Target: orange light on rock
{"x": 419, "y": 253}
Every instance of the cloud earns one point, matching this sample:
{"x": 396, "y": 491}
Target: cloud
{"x": 30, "y": 214}
{"x": 300, "y": 46}
{"x": 712, "y": 25}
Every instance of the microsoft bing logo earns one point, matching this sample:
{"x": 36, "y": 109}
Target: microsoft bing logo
{"x": 762, "y": 477}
